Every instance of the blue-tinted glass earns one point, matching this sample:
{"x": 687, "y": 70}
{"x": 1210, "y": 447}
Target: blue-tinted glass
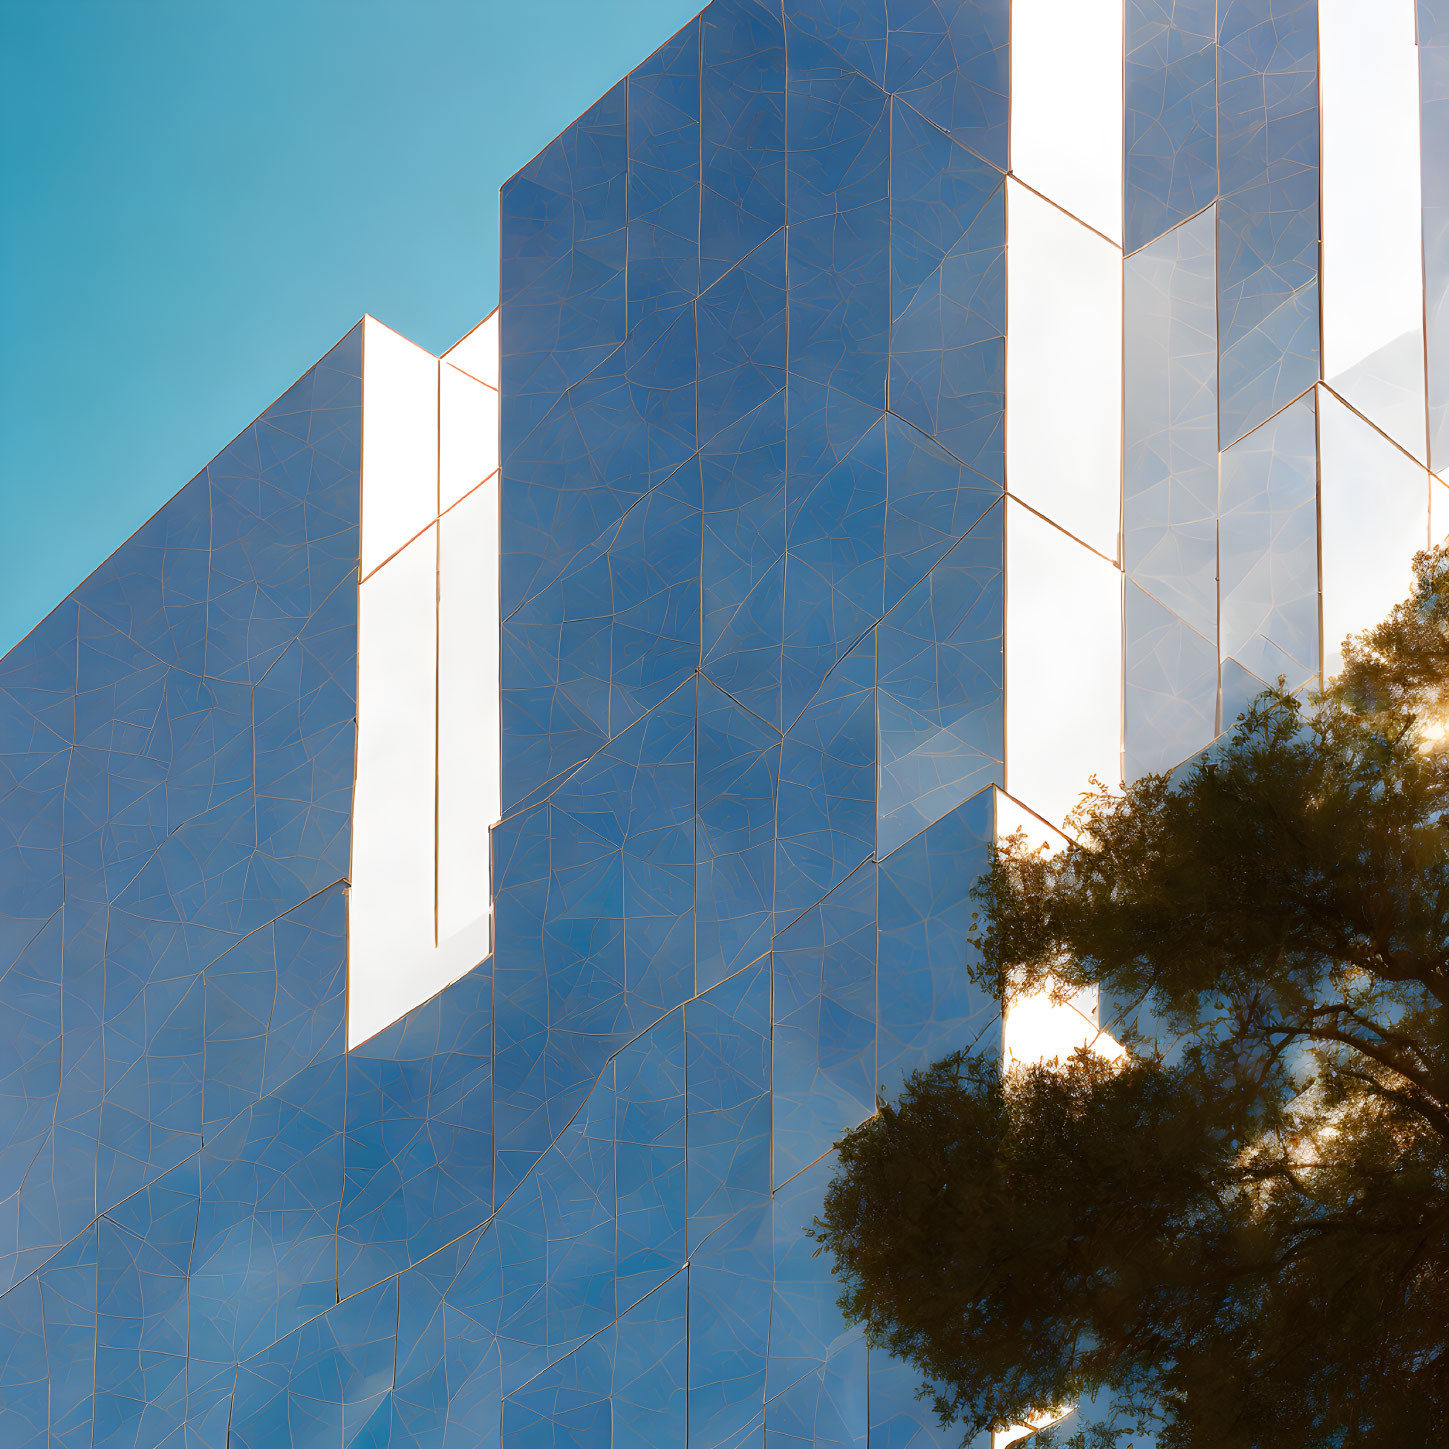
{"x": 825, "y": 425}
{"x": 728, "y": 1053}
{"x": 24, "y": 1369}
{"x": 329, "y": 1383}
{"x": 567, "y": 1405}
{"x": 1268, "y": 542}
{"x": 835, "y": 573}
{"x": 818, "y": 1382}
{"x": 742, "y": 149}
{"x": 1270, "y": 366}
{"x": 928, "y": 1007}
{"x": 565, "y": 251}
{"x": 274, "y": 1004}
{"x": 1433, "y": 19}
{"x": 828, "y": 1407}
{"x": 939, "y": 687}
{"x": 742, "y": 587}
{"x": 1171, "y": 150}
{"x": 556, "y": 1243}
{"x": 1267, "y": 241}
{"x": 1169, "y": 503}
{"x": 617, "y": 632}
{"x": 951, "y": 62}
{"x": 304, "y": 742}
{"x": 1434, "y": 129}
{"x": 650, "y": 1126}
{"x": 806, "y": 1326}
{"x": 419, "y": 1156}
{"x": 1268, "y": 222}
{"x": 265, "y": 1258}
{"x": 654, "y": 563}
{"x": 151, "y": 1116}
{"x": 839, "y": 237}
{"x": 176, "y": 750}
{"x": 65, "y": 1319}
{"x": 932, "y": 501}
{"x": 664, "y": 197}
{"x": 729, "y": 1324}
{"x": 156, "y": 588}
{"x": 826, "y": 821}
{"x": 742, "y": 334}
{"x": 837, "y": 34}
{"x": 1269, "y": 59}
{"x": 37, "y": 727}
{"x": 595, "y": 924}
{"x": 447, "y": 1380}
{"x": 143, "y": 1255}
{"x": 54, "y": 1198}
{"x": 948, "y": 291}
{"x": 30, "y": 1067}
{"x": 824, "y": 1016}
{"x": 610, "y": 439}
{"x": 736, "y": 780}
{"x": 1171, "y": 675}
{"x": 651, "y": 1369}
{"x": 284, "y": 505}
{"x": 173, "y": 687}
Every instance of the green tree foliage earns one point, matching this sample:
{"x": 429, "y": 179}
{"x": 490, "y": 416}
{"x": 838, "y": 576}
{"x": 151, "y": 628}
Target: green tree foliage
{"x": 1240, "y": 1236}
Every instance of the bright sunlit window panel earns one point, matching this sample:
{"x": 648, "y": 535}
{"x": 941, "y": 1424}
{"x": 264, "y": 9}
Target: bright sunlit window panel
{"x": 1067, "y": 105}
{"x": 391, "y": 924}
{"x": 1012, "y": 816}
{"x": 1063, "y": 666}
{"x": 467, "y": 434}
{"x": 399, "y": 442}
{"x": 1438, "y": 512}
{"x": 1374, "y": 512}
{"x": 1373, "y": 285}
{"x": 1038, "y": 1028}
{"x": 468, "y": 721}
{"x": 477, "y": 353}
{"x": 1004, "y": 1438}
{"x": 1064, "y": 370}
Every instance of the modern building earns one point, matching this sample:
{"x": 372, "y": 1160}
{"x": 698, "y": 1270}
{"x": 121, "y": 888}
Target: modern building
{"x": 908, "y": 410}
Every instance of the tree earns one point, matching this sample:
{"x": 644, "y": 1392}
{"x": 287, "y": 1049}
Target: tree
{"x": 1238, "y": 1235}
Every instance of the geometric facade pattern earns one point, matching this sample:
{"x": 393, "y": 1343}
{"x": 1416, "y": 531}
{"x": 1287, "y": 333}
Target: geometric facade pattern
{"x": 908, "y": 409}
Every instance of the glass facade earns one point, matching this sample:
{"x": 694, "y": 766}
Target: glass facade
{"x": 907, "y": 410}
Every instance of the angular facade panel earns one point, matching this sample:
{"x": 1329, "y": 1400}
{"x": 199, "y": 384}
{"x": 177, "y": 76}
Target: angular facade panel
{"x": 599, "y": 729}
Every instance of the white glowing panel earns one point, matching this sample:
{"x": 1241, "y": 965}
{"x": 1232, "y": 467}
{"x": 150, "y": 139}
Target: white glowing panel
{"x": 1373, "y": 287}
{"x": 1040, "y": 1029}
{"x": 1438, "y": 513}
{"x": 1004, "y": 1438}
{"x": 1374, "y": 517}
{"x": 1012, "y": 816}
{"x": 1037, "y": 1028}
{"x": 391, "y": 920}
{"x": 468, "y": 720}
{"x": 1063, "y": 666}
{"x": 467, "y": 434}
{"x": 399, "y": 442}
{"x": 477, "y": 353}
{"x": 1067, "y": 105}
{"x": 1063, "y": 370}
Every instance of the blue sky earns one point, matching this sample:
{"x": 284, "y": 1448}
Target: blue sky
{"x": 198, "y": 197}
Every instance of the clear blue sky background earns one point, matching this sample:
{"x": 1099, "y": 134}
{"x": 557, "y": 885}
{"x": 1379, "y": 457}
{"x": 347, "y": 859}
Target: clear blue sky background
{"x": 198, "y": 197}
